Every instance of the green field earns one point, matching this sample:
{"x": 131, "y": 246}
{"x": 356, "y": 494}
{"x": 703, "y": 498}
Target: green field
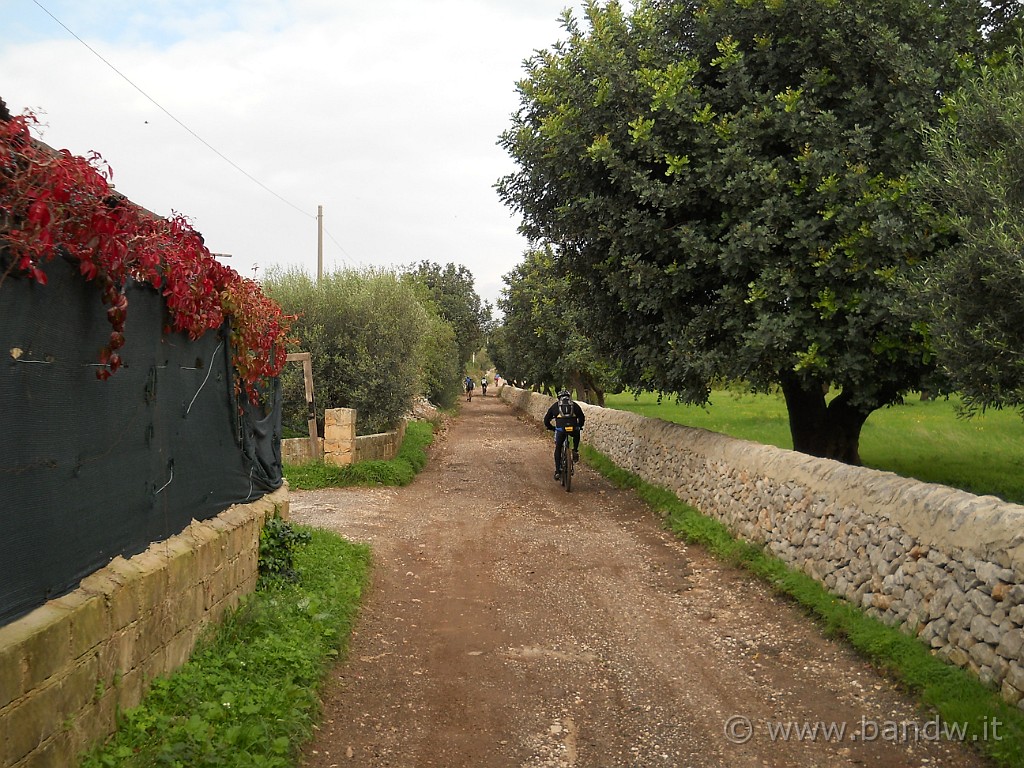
{"x": 926, "y": 440}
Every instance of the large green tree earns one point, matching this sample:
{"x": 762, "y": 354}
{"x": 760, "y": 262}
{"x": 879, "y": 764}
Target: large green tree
{"x": 451, "y": 288}
{"x": 728, "y": 180}
{"x": 975, "y": 293}
{"x": 541, "y": 342}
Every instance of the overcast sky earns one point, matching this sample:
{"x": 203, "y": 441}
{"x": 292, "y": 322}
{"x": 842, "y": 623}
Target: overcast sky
{"x": 385, "y": 112}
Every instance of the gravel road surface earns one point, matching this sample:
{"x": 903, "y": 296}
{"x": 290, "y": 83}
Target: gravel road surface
{"x": 509, "y": 623}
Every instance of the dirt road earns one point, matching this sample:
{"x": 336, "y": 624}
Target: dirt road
{"x": 512, "y": 624}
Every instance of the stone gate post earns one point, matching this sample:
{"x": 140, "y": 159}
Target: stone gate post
{"x": 339, "y": 436}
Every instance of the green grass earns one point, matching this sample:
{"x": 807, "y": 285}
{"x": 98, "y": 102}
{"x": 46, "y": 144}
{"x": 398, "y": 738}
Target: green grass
{"x": 955, "y": 695}
{"x": 248, "y": 697}
{"x": 411, "y": 458}
{"x": 928, "y": 441}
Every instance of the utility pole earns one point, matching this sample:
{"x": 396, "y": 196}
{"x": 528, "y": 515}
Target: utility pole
{"x": 319, "y": 242}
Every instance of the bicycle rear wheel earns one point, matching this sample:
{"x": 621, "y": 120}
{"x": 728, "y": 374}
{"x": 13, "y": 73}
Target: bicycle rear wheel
{"x": 567, "y": 467}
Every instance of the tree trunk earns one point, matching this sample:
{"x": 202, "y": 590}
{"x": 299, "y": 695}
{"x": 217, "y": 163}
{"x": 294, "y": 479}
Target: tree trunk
{"x": 579, "y": 386}
{"x": 829, "y": 430}
{"x": 586, "y": 388}
{"x": 598, "y": 393}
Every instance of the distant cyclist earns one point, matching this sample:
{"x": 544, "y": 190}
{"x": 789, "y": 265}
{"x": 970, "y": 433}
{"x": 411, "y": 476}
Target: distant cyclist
{"x": 483, "y": 386}
{"x": 565, "y": 407}
{"x": 469, "y": 388}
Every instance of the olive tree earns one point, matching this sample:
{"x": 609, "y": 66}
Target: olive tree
{"x": 440, "y": 359}
{"x": 975, "y": 294}
{"x": 363, "y": 329}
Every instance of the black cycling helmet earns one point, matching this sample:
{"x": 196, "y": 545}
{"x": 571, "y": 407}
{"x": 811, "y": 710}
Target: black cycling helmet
{"x": 564, "y": 394}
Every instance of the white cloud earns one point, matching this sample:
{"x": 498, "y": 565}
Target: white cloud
{"x": 386, "y": 113}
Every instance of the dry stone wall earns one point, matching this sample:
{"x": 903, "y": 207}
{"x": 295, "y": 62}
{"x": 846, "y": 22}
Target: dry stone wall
{"x": 942, "y": 564}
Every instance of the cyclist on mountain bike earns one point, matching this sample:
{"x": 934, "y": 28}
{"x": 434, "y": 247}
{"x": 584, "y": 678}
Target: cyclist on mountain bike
{"x": 565, "y": 407}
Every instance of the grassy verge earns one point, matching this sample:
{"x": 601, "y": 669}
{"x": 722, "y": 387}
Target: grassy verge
{"x": 248, "y": 696}
{"x": 958, "y": 697}
{"x": 926, "y": 440}
{"x": 411, "y": 458}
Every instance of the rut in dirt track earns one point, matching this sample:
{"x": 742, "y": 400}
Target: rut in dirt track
{"x": 509, "y": 623}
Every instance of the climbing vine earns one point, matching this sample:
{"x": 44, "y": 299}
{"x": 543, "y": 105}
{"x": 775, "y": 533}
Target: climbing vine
{"x": 55, "y": 204}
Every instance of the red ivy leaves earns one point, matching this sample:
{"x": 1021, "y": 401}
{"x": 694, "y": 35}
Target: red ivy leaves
{"x": 258, "y": 332}
{"x": 54, "y": 202}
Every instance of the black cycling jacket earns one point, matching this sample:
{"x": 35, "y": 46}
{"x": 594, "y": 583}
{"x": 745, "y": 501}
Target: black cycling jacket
{"x": 549, "y": 417}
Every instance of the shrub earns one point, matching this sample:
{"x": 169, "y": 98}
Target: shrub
{"x": 363, "y": 329}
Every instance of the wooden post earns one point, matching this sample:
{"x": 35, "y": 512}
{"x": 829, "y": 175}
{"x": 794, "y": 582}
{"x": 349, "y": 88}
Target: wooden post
{"x": 307, "y": 375}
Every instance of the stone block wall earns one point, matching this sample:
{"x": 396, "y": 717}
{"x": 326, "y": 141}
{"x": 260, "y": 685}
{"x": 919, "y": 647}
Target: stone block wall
{"x": 340, "y": 444}
{"x": 380, "y": 447}
{"x": 68, "y": 666}
{"x": 942, "y": 564}
{"x": 299, "y": 450}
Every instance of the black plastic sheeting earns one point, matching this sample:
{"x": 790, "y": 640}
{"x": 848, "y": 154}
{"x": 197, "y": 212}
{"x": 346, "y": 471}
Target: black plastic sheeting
{"x": 93, "y": 469}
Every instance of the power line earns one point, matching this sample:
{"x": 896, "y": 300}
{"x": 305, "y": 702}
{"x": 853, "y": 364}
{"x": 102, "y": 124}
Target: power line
{"x": 328, "y": 232}
{"x": 166, "y": 112}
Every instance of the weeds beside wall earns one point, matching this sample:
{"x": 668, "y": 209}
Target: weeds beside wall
{"x": 67, "y": 667}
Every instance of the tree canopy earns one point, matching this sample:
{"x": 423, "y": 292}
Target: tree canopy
{"x": 541, "y": 341}
{"x": 729, "y": 182}
{"x": 452, "y": 290}
{"x": 975, "y": 294}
